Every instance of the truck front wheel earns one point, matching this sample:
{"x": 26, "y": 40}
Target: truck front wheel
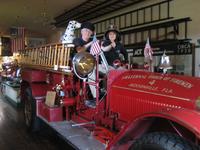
{"x": 31, "y": 120}
{"x": 162, "y": 141}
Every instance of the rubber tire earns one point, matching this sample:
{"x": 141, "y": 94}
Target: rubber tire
{"x": 31, "y": 120}
{"x": 162, "y": 141}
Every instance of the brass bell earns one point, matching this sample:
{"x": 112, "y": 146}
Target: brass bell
{"x": 165, "y": 63}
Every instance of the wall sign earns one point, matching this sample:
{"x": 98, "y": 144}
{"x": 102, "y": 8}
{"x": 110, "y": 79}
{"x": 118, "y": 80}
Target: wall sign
{"x": 183, "y": 48}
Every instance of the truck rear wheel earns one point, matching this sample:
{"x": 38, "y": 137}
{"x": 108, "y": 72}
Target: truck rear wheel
{"x": 31, "y": 120}
{"x": 162, "y": 141}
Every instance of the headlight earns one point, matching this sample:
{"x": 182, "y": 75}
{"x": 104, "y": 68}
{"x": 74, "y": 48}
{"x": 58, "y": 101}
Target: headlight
{"x": 83, "y": 64}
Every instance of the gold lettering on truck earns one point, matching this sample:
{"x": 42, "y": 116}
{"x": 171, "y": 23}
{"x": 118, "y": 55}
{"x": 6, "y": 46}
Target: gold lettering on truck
{"x": 134, "y": 77}
{"x": 182, "y": 83}
{"x": 176, "y": 81}
{"x": 141, "y": 86}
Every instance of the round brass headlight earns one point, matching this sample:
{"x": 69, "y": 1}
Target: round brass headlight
{"x": 83, "y": 64}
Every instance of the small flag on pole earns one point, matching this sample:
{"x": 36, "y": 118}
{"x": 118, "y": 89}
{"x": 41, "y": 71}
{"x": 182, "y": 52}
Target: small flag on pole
{"x": 148, "y": 52}
{"x": 95, "y": 48}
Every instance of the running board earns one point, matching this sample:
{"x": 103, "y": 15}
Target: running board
{"x": 82, "y": 124}
{"x": 78, "y": 136}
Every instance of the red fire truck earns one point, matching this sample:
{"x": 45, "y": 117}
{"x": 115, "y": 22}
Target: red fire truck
{"x": 139, "y": 110}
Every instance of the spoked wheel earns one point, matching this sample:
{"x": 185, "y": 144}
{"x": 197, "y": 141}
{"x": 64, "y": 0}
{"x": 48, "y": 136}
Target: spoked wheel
{"x": 162, "y": 141}
{"x": 31, "y": 120}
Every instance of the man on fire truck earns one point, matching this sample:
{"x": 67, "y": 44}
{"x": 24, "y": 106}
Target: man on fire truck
{"x": 84, "y": 42}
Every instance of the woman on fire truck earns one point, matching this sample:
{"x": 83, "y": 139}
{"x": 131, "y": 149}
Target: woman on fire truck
{"x": 114, "y": 51}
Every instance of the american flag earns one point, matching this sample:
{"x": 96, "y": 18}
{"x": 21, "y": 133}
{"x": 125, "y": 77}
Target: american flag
{"x": 18, "y": 40}
{"x": 95, "y": 48}
{"x": 148, "y": 52}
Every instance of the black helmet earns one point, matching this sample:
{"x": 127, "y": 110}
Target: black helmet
{"x": 88, "y": 25}
{"x": 112, "y": 28}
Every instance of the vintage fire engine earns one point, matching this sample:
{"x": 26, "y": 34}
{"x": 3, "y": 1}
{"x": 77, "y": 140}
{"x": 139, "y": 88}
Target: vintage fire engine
{"x": 139, "y": 110}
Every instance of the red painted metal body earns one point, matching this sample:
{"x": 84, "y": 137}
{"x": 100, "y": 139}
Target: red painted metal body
{"x": 135, "y": 103}
{"x": 135, "y": 93}
{"x": 30, "y": 75}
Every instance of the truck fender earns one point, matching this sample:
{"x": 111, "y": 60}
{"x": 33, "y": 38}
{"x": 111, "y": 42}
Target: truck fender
{"x": 190, "y": 119}
{"x": 140, "y": 124}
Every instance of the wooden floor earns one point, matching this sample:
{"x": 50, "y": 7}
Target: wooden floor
{"x": 13, "y": 135}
